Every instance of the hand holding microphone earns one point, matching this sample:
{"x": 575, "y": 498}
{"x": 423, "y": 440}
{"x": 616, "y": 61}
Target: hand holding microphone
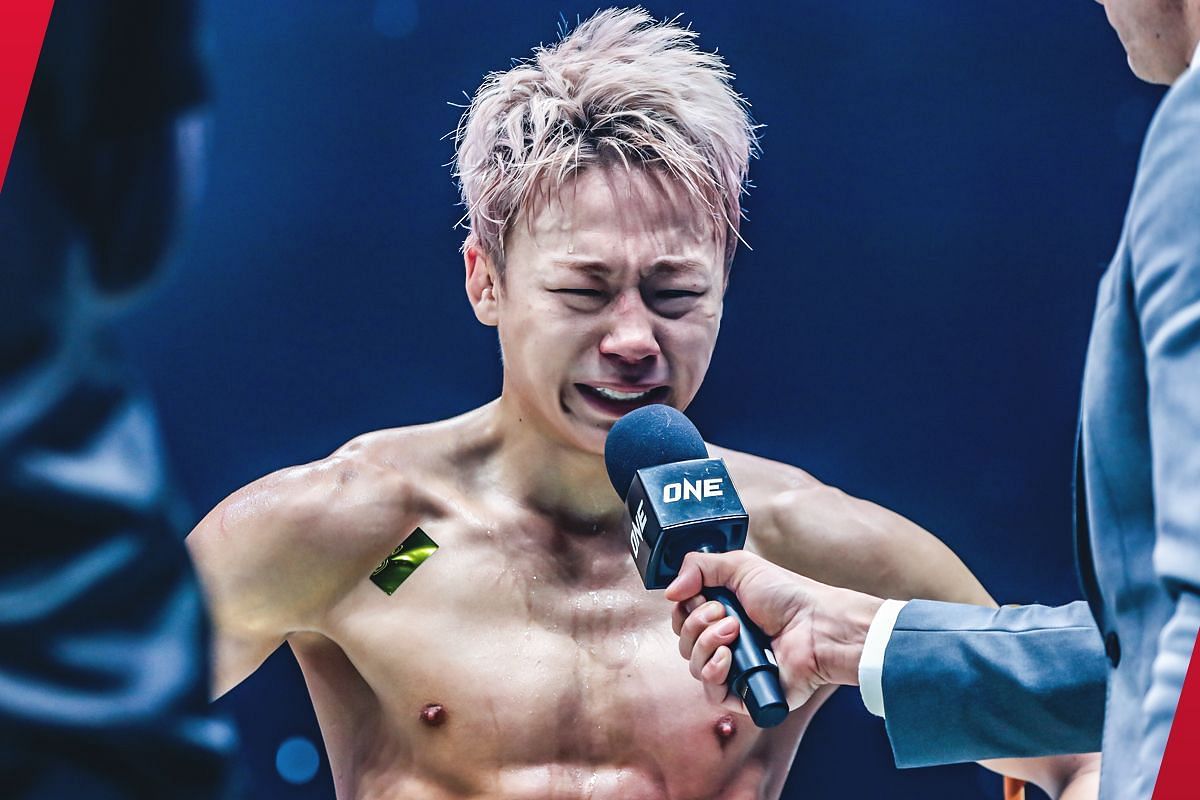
{"x": 680, "y": 501}
{"x": 817, "y": 631}
{"x": 686, "y": 528}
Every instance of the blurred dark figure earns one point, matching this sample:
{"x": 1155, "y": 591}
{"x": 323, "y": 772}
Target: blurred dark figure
{"x": 103, "y": 637}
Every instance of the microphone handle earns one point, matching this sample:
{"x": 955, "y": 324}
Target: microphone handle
{"x": 754, "y": 673}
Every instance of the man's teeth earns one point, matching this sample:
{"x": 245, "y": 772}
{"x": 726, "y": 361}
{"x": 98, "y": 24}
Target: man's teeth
{"x": 613, "y": 394}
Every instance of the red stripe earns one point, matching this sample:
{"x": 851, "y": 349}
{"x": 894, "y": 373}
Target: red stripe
{"x": 22, "y": 29}
{"x": 1177, "y": 778}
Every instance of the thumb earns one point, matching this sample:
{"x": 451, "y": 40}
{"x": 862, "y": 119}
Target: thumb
{"x": 704, "y": 569}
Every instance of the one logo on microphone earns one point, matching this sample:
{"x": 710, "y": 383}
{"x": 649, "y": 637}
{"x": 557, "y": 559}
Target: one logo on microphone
{"x": 639, "y": 525}
{"x": 699, "y": 489}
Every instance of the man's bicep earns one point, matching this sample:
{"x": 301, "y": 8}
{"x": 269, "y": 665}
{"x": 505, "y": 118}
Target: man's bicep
{"x": 277, "y": 555}
{"x": 261, "y": 567}
{"x": 932, "y": 571}
{"x": 828, "y": 535}
{"x": 241, "y": 553}
{"x": 226, "y": 562}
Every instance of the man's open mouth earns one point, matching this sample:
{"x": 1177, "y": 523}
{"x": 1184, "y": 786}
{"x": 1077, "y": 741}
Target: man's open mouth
{"x": 617, "y": 403}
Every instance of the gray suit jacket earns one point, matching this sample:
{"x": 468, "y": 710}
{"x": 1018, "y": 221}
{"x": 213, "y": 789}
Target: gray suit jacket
{"x": 963, "y": 683}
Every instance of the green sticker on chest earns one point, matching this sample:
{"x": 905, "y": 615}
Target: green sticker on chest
{"x": 403, "y": 561}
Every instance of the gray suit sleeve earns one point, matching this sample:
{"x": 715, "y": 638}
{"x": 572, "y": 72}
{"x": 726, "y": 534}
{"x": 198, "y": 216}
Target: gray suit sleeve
{"x": 965, "y": 683}
{"x": 1164, "y": 238}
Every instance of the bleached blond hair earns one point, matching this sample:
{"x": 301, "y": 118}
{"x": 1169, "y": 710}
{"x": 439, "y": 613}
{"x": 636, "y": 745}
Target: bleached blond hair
{"x": 622, "y": 88}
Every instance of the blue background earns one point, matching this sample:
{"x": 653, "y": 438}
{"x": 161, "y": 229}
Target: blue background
{"x": 941, "y": 185}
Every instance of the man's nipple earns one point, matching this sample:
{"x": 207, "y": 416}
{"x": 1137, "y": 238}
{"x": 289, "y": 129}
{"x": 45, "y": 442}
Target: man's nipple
{"x": 433, "y": 714}
{"x": 725, "y": 728}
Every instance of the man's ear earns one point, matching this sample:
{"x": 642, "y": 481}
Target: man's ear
{"x": 482, "y": 282}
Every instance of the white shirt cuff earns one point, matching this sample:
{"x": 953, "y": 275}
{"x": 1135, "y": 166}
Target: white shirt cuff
{"x": 870, "y": 666}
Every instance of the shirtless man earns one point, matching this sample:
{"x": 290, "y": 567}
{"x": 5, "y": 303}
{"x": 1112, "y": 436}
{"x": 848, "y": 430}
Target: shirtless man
{"x": 524, "y": 659}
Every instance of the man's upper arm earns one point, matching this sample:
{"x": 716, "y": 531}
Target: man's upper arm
{"x": 828, "y": 535}
{"x": 278, "y": 553}
{"x": 1164, "y": 239}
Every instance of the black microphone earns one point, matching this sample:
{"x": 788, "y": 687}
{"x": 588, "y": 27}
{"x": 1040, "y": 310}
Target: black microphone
{"x": 677, "y": 501}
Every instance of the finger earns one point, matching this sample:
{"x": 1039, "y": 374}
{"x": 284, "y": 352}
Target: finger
{"x": 721, "y": 634}
{"x": 678, "y": 615}
{"x": 696, "y": 623}
{"x": 716, "y": 671}
{"x": 715, "y": 675}
{"x": 706, "y": 569}
{"x": 681, "y": 611}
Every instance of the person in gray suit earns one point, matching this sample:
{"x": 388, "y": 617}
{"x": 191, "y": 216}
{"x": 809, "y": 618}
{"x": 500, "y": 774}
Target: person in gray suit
{"x": 958, "y": 683}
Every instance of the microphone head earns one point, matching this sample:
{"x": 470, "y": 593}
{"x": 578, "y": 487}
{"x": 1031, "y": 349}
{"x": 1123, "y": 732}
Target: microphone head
{"x": 647, "y": 437}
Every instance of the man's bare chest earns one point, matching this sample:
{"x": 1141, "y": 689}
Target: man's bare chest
{"x": 491, "y": 659}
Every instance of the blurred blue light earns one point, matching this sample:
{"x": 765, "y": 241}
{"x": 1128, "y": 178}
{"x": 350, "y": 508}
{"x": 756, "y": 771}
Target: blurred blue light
{"x": 395, "y": 18}
{"x": 297, "y": 760}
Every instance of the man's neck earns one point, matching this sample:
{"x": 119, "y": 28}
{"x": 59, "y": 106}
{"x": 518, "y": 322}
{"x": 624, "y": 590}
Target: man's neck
{"x": 549, "y": 476}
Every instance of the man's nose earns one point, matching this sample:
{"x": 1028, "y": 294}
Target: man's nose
{"x": 631, "y": 336}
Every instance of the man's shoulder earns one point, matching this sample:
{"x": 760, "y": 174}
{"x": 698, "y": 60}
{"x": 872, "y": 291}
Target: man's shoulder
{"x": 759, "y": 475}
{"x": 401, "y": 470}
{"x": 1168, "y": 177}
{"x": 426, "y": 449}
{"x": 375, "y": 481}
{"x": 409, "y": 450}
{"x": 772, "y": 491}
{"x": 1183, "y": 98}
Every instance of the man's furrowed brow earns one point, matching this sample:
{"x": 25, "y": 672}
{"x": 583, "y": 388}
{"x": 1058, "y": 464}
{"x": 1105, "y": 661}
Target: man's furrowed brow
{"x": 585, "y": 266}
{"x": 677, "y": 265}
{"x": 670, "y": 265}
